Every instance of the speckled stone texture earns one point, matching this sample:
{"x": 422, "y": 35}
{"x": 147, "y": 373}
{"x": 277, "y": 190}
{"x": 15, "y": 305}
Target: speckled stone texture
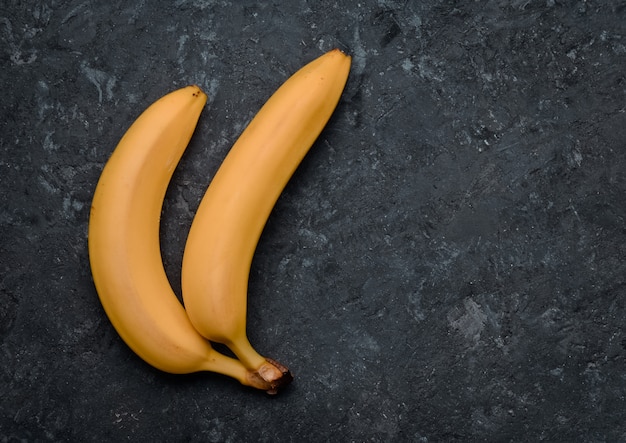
{"x": 448, "y": 263}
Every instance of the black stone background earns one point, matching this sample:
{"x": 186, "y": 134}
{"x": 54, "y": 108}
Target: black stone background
{"x": 448, "y": 263}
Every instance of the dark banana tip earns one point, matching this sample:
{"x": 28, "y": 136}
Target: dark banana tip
{"x": 281, "y": 382}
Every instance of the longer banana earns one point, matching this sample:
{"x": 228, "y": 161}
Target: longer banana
{"x": 238, "y": 202}
{"x": 124, "y": 243}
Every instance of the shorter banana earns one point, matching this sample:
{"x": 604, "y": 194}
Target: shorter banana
{"x": 238, "y": 202}
{"x": 124, "y": 247}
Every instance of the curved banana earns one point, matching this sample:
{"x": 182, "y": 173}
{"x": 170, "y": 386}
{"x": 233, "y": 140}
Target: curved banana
{"x": 233, "y": 212}
{"x": 124, "y": 247}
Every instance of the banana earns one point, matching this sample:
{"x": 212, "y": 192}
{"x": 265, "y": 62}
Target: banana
{"x": 234, "y": 210}
{"x": 124, "y": 248}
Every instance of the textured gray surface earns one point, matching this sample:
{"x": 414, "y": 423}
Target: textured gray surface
{"x": 448, "y": 264}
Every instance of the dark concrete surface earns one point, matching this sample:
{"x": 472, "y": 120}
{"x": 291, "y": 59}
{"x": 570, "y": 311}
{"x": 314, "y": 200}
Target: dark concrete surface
{"x": 448, "y": 264}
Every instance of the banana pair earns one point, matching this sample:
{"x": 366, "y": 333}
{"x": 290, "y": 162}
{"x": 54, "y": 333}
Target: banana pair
{"x": 124, "y": 249}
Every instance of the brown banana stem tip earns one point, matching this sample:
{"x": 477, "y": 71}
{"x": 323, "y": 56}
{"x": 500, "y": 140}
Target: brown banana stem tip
{"x": 276, "y": 374}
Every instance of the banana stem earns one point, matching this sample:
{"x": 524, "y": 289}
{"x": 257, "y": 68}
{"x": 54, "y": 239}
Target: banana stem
{"x": 222, "y": 364}
{"x": 272, "y": 372}
{"x": 246, "y": 353}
